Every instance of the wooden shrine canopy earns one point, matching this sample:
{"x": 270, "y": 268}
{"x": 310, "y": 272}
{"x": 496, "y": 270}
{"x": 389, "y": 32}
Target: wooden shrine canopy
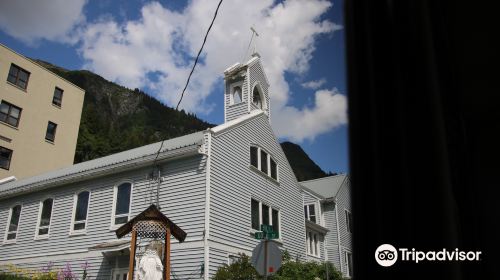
{"x": 151, "y": 223}
{"x": 152, "y": 214}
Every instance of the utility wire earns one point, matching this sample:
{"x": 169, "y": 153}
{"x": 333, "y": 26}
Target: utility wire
{"x": 198, "y": 56}
{"x": 182, "y": 95}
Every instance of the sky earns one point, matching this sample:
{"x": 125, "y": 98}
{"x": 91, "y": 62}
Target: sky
{"x": 151, "y": 45}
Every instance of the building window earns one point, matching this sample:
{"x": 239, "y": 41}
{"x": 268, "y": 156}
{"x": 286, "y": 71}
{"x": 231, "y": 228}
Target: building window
{"x": 274, "y": 170}
{"x": 263, "y": 162}
{"x": 254, "y": 156}
{"x": 348, "y": 220}
{"x": 44, "y": 217}
{"x": 50, "y": 135}
{"x": 5, "y": 157}
{"x": 236, "y": 95}
{"x": 310, "y": 212}
{"x": 18, "y": 76}
{"x": 121, "y": 207}
{"x": 80, "y": 210}
{"x": 10, "y": 114}
{"x": 312, "y": 240}
{"x": 231, "y": 259}
{"x": 257, "y": 100}
{"x": 58, "y": 95}
{"x": 348, "y": 261}
{"x": 13, "y": 226}
{"x": 262, "y": 214}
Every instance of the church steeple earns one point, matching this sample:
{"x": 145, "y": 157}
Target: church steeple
{"x": 246, "y": 89}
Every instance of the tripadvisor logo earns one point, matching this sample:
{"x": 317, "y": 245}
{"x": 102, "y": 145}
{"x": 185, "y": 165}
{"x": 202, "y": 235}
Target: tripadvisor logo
{"x": 387, "y": 255}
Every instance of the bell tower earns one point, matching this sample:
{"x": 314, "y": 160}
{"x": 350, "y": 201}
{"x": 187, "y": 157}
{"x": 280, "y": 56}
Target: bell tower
{"x": 246, "y": 89}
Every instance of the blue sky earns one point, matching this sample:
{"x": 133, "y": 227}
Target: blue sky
{"x": 151, "y": 45}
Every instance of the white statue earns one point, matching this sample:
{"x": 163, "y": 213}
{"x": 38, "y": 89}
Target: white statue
{"x": 150, "y": 266}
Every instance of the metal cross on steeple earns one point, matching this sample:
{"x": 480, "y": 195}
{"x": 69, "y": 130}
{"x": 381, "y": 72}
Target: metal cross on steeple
{"x": 254, "y": 32}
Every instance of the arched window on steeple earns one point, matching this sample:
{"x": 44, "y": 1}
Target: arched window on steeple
{"x": 257, "y": 99}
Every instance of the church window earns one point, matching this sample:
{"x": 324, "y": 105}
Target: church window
{"x": 263, "y": 162}
{"x": 121, "y": 205}
{"x": 257, "y": 99}
{"x": 80, "y": 212}
{"x": 44, "y": 216}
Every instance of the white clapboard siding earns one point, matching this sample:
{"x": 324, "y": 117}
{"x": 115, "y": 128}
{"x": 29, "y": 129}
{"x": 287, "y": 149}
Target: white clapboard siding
{"x": 181, "y": 197}
{"x": 234, "y": 183}
{"x": 236, "y": 110}
{"x": 332, "y": 244}
{"x": 344, "y": 202}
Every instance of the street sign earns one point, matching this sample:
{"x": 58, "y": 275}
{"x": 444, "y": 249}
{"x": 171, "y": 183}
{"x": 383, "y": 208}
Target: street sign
{"x": 259, "y": 235}
{"x": 266, "y": 258}
{"x": 272, "y": 235}
{"x": 266, "y": 228}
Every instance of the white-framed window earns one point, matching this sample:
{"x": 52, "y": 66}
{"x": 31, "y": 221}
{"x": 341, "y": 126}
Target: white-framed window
{"x": 44, "y": 218}
{"x": 232, "y": 259}
{"x": 236, "y": 93}
{"x": 257, "y": 98}
{"x": 80, "y": 212}
{"x": 312, "y": 241}
{"x": 122, "y": 198}
{"x": 264, "y": 162}
{"x": 348, "y": 220}
{"x": 348, "y": 262}
{"x": 12, "y": 230}
{"x": 263, "y": 214}
{"x": 310, "y": 212}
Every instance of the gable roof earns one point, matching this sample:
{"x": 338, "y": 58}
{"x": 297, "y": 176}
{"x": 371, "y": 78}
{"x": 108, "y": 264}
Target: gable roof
{"x": 146, "y": 153}
{"x": 99, "y": 166}
{"x": 326, "y": 187}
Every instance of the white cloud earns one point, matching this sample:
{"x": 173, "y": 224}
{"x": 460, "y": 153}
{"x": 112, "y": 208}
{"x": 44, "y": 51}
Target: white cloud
{"x": 314, "y": 84}
{"x": 30, "y": 21}
{"x": 329, "y": 112}
{"x": 160, "y": 40}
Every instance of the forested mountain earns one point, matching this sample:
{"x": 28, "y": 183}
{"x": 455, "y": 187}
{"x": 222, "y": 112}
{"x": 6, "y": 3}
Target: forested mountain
{"x": 115, "y": 119}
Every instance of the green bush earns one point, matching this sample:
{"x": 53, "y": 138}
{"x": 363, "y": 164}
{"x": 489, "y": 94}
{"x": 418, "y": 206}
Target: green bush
{"x": 8, "y": 276}
{"x": 290, "y": 269}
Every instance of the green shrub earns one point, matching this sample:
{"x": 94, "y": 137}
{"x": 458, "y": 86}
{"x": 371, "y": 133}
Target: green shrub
{"x": 290, "y": 269}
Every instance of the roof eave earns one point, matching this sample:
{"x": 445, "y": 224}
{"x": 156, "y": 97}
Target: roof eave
{"x": 103, "y": 171}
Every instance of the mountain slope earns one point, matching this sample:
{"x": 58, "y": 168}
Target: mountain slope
{"x": 303, "y": 166}
{"x": 115, "y": 119}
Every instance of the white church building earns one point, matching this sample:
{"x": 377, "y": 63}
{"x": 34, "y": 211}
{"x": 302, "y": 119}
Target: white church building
{"x": 218, "y": 185}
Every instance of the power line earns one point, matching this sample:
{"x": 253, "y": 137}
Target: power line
{"x": 177, "y": 107}
{"x": 198, "y": 56}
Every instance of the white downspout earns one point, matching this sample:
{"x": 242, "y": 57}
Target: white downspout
{"x": 207, "y": 207}
{"x": 338, "y": 234}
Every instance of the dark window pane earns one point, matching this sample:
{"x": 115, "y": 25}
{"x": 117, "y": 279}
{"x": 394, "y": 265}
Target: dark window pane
{"x": 256, "y": 98}
{"x": 11, "y": 236}
{"x": 274, "y": 174}
{"x": 276, "y": 222}
{"x": 18, "y": 76}
{"x": 79, "y": 226}
{"x": 10, "y": 113}
{"x": 58, "y": 94}
{"x": 121, "y": 220}
{"x": 81, "y": 206}
{"x": 123, "y": 199}
{"x": 263, "y": 161}
{"x": 349, "y": 263}
{"x": 265, "y": 214}
{"x": 51, "y": 131}
{"x": 305, "y": 212}
{"x": 43, "y": 231}
{"x": 5, "y": 157}
{"x": 46, "y": 212}
{"x": 14, "y": 218}
{"x": 255, "y": 215}
{"x": 253, "y": 156}
{"x": 312, "y": 213}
